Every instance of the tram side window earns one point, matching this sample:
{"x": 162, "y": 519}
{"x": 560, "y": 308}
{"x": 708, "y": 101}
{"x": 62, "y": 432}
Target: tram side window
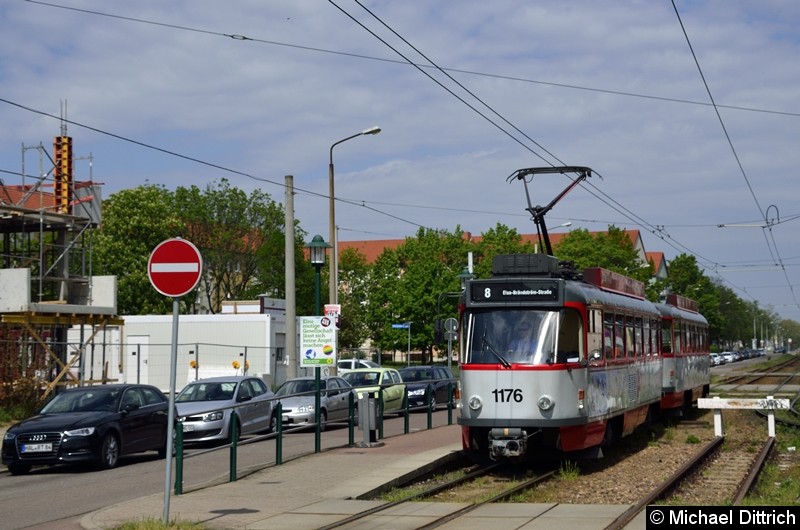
{"x": 677, "y": 336}
{"x": 666, "y": 336}
{"x": 608, "y": 335}
{"x": 638, "y": 331}
{"x": 654, "y": 337}
{"x": 619, "y": 336}
{"x": 629, "y": 336}
{"x": 594, "y": 335}
{"x": 570, "y": 335}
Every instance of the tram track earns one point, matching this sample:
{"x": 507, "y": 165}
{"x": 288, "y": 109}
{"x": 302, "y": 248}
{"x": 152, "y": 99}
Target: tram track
{"x": 729, "y": 477}
{"x": 441, "y": 485}
{"x": 703, "y": 470}
{"x": 778, "y": 377}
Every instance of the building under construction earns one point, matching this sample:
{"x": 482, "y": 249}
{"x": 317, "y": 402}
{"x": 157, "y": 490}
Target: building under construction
{"x": 46, "y": 282}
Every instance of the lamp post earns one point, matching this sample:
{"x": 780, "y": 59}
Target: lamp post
{"x": 464, "y": 276}
{"x": 317, "y": 249}
{"x": 332, "y": 288}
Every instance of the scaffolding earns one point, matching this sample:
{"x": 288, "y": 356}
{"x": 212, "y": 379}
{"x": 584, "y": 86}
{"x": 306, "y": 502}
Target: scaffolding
{"x": 46, "y": 281}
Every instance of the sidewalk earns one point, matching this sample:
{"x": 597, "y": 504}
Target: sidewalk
{"x": 305, "y": 493}
{"x": 321, "y": 489}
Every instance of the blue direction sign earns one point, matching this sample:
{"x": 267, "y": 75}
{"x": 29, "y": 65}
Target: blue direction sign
{"x": 400, "y": 326}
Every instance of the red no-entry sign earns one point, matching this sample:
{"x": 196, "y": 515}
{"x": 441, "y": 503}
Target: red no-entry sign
{"x": 174, "y": 267}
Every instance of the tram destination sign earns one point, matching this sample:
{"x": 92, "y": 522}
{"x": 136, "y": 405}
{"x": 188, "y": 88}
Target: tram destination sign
{"x": 515, "y": 291}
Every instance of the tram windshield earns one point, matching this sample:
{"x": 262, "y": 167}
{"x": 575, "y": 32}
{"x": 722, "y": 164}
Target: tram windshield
{"x": 516, "y": 336}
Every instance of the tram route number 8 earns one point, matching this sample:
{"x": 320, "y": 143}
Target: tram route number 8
{"x": 507, "y": 395}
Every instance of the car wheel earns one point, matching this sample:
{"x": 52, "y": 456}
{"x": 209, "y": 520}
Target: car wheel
{"x": 19, "y": 469}
{"x": 273, "y": 423}
{"x": 355, "y": 415}
{"x": 433, "y": 402}
{"x": 323, "y": 420}
{"x": 109, "y": 451}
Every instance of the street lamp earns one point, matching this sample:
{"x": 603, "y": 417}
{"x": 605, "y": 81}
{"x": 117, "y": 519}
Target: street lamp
{"x": 317, "y": 249}
{"x": 464, "y": 276}
{"x": 333, "y": 296}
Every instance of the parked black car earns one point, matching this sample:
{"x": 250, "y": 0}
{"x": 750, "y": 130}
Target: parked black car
{"x": 417, "y": 380}
{"x": 95, "y": 424}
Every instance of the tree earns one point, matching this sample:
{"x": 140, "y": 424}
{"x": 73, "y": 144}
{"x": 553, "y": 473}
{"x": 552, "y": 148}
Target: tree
{"x": 232, "y": 231}
{"x": 406, "y": 284}
{"x": 686, "y": 279}
{"x": 354, "y": 275}
{"x": 240, "y": 237}
{"x": 611, "y": 250}
{"x": 498, "y": 240}
{"x": 134, "y": 222}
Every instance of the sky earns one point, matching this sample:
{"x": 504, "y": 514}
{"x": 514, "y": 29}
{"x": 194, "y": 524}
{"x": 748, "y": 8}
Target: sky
{"x": 687, "y": 113}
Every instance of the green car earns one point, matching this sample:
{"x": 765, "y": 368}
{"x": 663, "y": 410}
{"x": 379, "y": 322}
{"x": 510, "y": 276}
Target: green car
{"x": 369, "y": 380}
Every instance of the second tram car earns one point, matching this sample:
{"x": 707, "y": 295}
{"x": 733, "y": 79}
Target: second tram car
{"x": 686, "y": 362}
{"x": 554, "y": 360}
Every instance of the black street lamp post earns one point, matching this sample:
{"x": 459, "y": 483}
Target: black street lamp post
{"x": 317, "y": 249}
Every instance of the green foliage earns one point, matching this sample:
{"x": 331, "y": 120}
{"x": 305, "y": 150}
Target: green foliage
{"x": 405, "y": 286}
{"x": 19, "y": 399}
{"x": 135, "y": 221}
{"x": 158, "y": 524}
{"x": 498, "y": 240}
{"x": 692, "y": 439}
{"x": 354, "y": 274}
{"x": 240, "y": 237}
{"x": 569, "y": 470}
{"x": 611, "y": 250}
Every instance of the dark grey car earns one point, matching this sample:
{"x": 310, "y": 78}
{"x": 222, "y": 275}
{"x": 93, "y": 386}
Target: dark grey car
{"x": 418, "y": 378}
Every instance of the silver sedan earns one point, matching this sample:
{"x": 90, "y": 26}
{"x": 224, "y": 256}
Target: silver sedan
{"x": 205, "y": 408}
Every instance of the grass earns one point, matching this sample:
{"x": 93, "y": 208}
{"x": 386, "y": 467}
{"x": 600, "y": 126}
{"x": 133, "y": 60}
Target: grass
{"x": 158, "y": 524}
{"x": 569, "y": 470}
{"x": 779, "y": 485}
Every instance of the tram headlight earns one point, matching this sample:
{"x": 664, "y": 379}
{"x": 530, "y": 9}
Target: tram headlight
{"x": 475, "y": 403}
{"x": 546, "y": 402}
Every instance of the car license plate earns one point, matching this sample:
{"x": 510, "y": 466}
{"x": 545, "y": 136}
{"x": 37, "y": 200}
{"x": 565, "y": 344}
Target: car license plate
{"x": 37, "y": 448}
{"x": 188, "y": 428}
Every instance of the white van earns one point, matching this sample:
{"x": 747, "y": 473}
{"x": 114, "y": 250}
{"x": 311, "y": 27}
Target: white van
{"x": 345, "y": 365}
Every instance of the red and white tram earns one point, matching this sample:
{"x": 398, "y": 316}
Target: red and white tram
{"x": 556, "y": 360}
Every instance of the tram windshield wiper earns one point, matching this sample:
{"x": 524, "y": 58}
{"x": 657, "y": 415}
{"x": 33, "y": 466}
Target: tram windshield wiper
{"x": 485, "y": 342}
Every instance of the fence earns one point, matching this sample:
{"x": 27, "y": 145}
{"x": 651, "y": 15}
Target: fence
{"x": 373, "y": 432}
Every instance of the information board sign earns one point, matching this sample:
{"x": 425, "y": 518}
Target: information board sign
{"x": 317, "y": 342}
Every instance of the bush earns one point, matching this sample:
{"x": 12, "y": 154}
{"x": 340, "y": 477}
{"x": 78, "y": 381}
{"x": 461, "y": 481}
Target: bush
{"x": 19, "y": 399}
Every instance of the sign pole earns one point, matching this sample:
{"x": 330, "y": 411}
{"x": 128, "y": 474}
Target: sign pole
{"x": 174, "y": 269}
{"x": 173, "y": 366}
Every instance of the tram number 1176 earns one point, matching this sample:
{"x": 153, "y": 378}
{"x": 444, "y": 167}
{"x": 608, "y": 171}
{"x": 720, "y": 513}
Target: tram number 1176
{"x": 507, "y": 395}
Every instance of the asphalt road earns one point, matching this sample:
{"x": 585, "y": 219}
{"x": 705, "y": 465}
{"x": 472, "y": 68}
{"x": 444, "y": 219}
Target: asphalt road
{"x": 51, "y": 498}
